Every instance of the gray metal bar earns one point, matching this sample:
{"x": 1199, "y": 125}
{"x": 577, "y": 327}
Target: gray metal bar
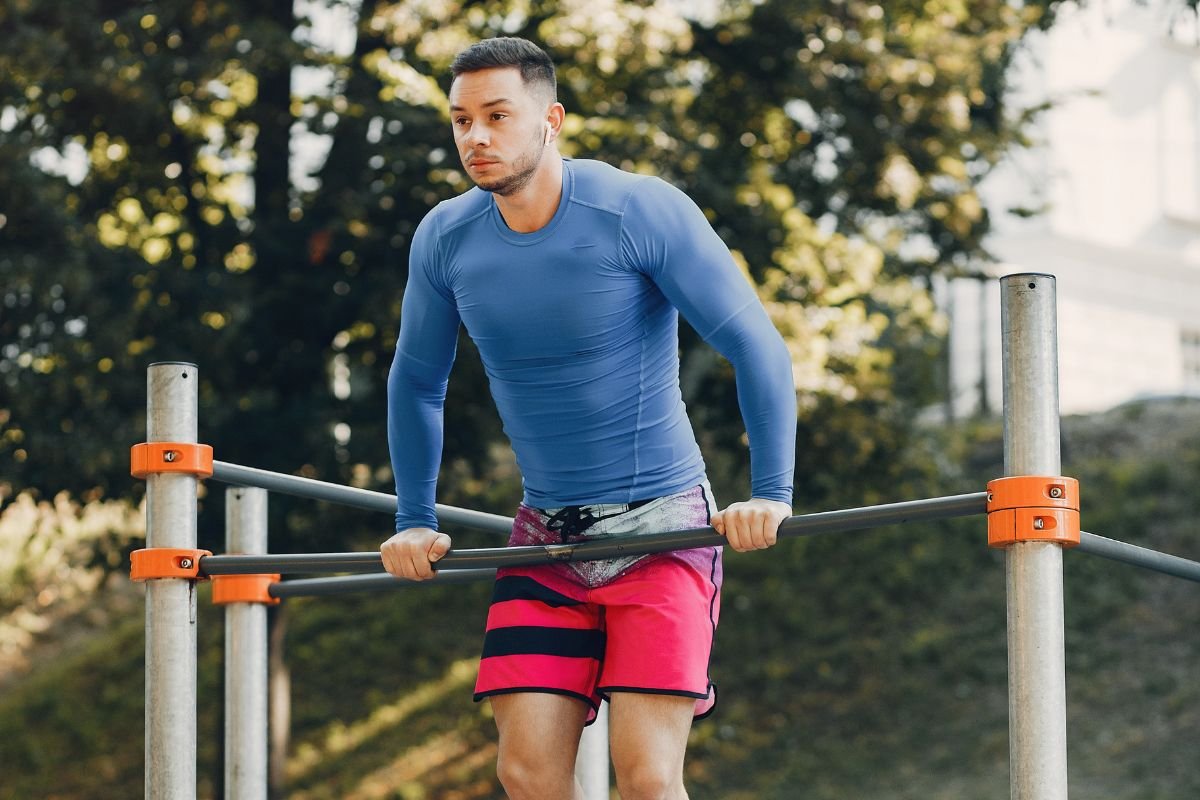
{"x": 1136, "y": 556}
{"x": 239, "y": 475}
{"x": 245, "y": 656}
{"x": 494, "y": 557}
{"x": 171, "y": 414}
{"x": 1037, "y": 703}
{"x": 347, "y": 584}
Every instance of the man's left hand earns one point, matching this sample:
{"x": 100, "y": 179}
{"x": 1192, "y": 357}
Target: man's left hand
{"x": 752, "y": 525}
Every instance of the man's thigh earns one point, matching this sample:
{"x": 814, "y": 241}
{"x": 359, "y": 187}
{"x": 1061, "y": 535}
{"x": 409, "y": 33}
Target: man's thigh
{"x": 649, "y": 731}
{"x": 545, "y": 725}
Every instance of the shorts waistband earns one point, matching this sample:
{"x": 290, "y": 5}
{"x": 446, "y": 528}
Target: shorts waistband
{"x": 600, "y": 508}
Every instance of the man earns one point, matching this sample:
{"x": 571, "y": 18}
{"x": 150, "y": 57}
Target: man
{"x": 570, "y": 275}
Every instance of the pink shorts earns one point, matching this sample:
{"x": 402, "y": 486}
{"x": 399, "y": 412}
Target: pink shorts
{"x": 647, "y": 629}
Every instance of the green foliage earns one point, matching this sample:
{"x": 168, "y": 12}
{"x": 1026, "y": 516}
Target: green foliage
{"x": 159, "y": 210}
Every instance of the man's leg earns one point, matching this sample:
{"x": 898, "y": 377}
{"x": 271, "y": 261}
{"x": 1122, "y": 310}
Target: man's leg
{"x": 648, "y": 734}
{"x": 539, "y": 737}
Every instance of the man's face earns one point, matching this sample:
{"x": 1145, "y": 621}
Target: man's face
{"x": 499, "y": 128}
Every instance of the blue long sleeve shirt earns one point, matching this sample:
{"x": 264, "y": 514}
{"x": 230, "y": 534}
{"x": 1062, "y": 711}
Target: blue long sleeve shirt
{"x": 577, "y": 327}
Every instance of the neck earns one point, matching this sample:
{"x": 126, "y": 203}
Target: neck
{"x": 533, "y": 207}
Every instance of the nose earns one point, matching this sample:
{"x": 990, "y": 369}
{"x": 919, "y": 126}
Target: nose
{"x": 478, "y": 135}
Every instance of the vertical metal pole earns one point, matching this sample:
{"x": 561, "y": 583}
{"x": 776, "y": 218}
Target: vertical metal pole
{"x": 1037, "y": 704}
{"x": 591, "y": 762}
{"x": 171, "y": 412}
{"x": 245, "y": 657}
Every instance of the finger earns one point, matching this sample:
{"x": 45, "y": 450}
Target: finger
{"x": 757, "y": 530}
{"x": 738, "y": 534}
{"x": 718, "y": 522}
{"x": 771, "y": 530}
{"x": 420, "y": 567}
{"x": 439, "y": 547}
{"x": 391, "y": 559}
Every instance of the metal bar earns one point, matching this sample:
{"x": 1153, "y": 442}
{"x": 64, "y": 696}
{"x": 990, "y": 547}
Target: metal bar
{"x": 1136, "y": 556}
{"x": 245, "y": 656}
{"x": 494, "y": 557}
{"x": 347, "y": 584}
{"x": 591, "y": 760}
{"x": 295, "y": 485}
{"x": 171, "y": 416}
{"x": 1037, "y": 704}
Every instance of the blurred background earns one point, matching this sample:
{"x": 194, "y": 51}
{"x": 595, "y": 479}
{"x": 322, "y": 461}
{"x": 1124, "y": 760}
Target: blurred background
{"x": 237, "y": 184}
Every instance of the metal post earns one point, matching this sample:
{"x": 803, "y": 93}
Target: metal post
{"x": 171, "y": 412}
{"x": 245, "y": 657}
{"x": 1034, "y": 572}
{"x": 591, "y": 762}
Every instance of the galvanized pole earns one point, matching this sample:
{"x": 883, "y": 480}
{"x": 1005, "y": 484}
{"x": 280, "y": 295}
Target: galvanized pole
{"x": 591, "y": 762}
{"x": 1034, "y": 570}
{"x": 245, "y": 656}
{"x": 171, "y": 412}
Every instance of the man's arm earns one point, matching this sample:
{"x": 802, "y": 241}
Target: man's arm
{"x": 417, "y": 383}
{"x": 667, "y": 237}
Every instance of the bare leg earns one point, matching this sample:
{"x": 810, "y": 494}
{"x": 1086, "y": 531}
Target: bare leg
{"x": 648, "y": 739}
{"x": 539, "y": 737}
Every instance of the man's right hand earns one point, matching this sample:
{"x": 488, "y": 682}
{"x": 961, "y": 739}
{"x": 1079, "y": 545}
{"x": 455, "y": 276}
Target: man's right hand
{"x": 411, "y": 553}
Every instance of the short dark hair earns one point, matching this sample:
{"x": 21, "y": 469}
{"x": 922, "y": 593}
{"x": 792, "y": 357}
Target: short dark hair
{"x": 509, "y": 51}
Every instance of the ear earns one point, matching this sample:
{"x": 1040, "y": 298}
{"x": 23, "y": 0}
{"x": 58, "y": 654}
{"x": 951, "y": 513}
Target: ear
{"x": 554, "y": 122}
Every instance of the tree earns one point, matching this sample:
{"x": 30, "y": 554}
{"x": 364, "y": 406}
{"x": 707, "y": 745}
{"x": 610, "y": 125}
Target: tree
{"x": 165, "y": 211}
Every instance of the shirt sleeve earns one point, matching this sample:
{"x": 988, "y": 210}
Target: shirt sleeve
{"x": 666, "y": 236}
{"x": 417, "y": 381}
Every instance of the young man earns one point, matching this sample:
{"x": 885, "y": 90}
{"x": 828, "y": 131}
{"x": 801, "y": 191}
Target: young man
{"x": 570, "y": 276}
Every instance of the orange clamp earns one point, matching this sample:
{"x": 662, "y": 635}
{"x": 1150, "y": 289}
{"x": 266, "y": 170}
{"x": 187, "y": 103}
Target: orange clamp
{"x": 166, "y": 562}
{"x": 188, "y": 457}
{"x": 1033, "y": 508}
{"x": 244, "y": 589}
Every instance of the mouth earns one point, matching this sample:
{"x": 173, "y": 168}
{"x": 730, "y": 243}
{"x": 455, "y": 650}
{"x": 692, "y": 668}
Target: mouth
{"x": 480, "y": 163}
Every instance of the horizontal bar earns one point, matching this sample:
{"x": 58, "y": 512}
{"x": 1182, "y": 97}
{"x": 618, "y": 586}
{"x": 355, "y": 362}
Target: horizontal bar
{"x": 348, "y": 584}
{"x": 238, "y": 475}
{"x": 607, "y": 547}
{"x": 1127, "y": 553}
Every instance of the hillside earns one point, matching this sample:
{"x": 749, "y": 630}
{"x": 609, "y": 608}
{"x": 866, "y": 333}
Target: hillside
{"x": 867, "y": 665}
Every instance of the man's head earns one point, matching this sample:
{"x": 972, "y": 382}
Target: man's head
{"x": 504, "y": 112}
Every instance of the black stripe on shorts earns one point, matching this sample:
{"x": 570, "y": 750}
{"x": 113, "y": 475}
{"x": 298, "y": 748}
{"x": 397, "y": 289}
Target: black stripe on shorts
{"x": 522, "y": 587}
{"x": 543, "y": 641}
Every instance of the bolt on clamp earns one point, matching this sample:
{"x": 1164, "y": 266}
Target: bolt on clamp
{"x": 186, "y": 457}
{"x": 1033, "y": 508}
{"x": 166, "y": 562}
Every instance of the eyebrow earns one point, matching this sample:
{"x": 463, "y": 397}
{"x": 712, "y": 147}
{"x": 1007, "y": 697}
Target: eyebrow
{"x": 488, "y": 104}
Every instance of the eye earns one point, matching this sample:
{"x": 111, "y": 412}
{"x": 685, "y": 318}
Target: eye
{"x": 460, "y": 120}
{"x": 499, "y": 115}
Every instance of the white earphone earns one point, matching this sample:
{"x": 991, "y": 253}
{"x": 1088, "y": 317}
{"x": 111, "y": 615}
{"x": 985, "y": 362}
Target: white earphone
{"x": 549, "y": 130}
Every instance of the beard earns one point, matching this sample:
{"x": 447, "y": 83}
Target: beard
{"x": 523, "y": 169}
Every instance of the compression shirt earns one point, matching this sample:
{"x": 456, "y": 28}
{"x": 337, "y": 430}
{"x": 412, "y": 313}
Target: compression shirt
{"x": 576, "y": 325}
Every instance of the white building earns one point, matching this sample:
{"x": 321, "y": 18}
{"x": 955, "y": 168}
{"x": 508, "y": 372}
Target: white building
{"x": 1118, "y": 172}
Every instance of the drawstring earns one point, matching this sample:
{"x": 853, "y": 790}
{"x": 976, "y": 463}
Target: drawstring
{"x": 572, "y": 520}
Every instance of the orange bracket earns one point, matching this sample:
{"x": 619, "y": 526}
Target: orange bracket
{"x": 1032, "y": 508}
{"x": 153, "y": 457}
{"x": 166, "y": 562}
{"x": 244, "y": 589}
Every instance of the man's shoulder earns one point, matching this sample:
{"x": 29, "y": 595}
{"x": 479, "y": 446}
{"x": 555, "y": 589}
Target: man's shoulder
{"x": 603, "y": 186}
{"x": 460, "y": 210}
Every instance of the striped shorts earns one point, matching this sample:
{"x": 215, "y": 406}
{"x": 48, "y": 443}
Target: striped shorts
{"x": 635, "y": 624}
